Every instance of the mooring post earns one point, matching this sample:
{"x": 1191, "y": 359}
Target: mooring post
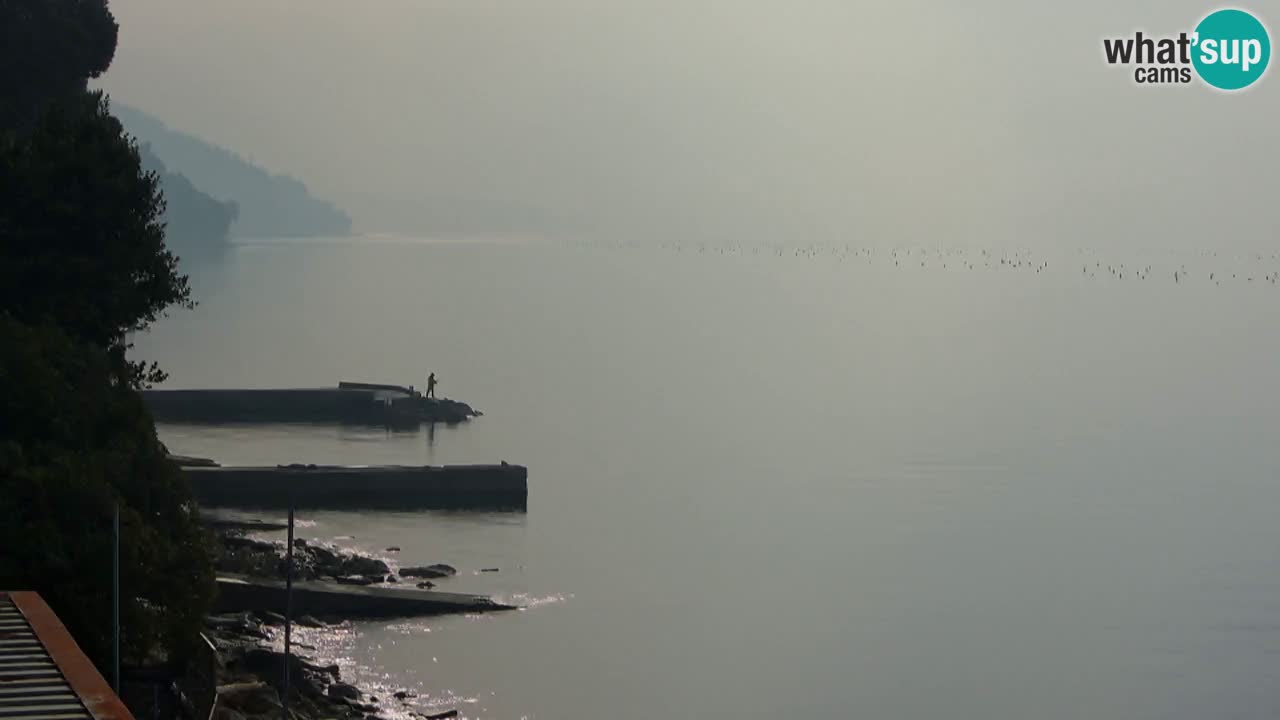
{"x": 115, "y": 597}
{"x": 288, "y": 609}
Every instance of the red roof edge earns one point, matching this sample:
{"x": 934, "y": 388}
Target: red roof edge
{"x": 94, "y": 692}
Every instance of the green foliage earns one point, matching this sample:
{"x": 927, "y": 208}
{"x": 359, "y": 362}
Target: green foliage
{"x": 82, "y": 241}
{"x": 74, "y": 439}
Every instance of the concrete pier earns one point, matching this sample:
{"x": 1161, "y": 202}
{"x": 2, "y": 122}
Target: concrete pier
{"x": 500, "y": 486}
{"x": 237, "y": 593}
{"x": 365, "y": 403}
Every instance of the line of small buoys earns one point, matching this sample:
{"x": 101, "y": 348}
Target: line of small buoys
{"x": 1185, "y": 267}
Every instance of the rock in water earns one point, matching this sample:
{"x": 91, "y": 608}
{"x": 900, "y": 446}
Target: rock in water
{"x": 333, "y": 670}
{"x": 241, "y": 623}
{"x": 343, "y": 691}
{"x": 250, "y": 698}
{"x": 324, "y": 557}
{"x": 426, "y": 585}
{"x": 360, "y": 565}
{"x": 438, "y": 570}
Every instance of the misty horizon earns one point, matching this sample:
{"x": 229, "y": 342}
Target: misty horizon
{"x": 421, "y": 359}
{"x": 713, "y": 121}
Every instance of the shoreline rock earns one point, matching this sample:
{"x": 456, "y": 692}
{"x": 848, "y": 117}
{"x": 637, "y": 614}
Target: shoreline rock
{"x": 249, "y": 679}
{"x": 250, "y": 675}
{"x": 250, "y": 671}
{"x": 436, "y": 571}
{"x": 311, "y": 560}
{"x": 314, "y": 560}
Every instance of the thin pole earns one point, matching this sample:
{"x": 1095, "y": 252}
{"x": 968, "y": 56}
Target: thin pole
{"x": 115, "y": 597}
{"x": 288, "y": 609}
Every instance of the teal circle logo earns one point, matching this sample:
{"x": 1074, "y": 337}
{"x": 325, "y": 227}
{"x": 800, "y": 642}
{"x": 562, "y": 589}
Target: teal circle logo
{"x": 1232, "y": 49}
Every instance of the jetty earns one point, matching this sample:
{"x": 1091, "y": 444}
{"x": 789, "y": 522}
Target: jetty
{"x": 500, "y": 487}
{"x": 234, "y": 525}
{"x": 237, "y": 593}
{"x": 349, "y": 402}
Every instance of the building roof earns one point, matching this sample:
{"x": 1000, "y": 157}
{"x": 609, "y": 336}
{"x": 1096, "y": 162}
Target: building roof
{"x": 43, "y": 673}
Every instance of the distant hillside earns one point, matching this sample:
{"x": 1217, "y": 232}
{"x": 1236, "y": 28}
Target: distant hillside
{"x": 269, "y": 205}
{"x": 195, "y": 221}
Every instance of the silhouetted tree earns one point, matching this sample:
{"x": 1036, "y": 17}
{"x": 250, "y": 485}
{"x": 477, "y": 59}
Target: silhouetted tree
{"x": 73, "y": 440}
{"x": 82, "y": 241}
{"x": 49, "y": 49}
{"x": 83, "y": 263}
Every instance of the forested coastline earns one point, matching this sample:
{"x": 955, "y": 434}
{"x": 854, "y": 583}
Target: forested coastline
{"x": 266, "y": 204}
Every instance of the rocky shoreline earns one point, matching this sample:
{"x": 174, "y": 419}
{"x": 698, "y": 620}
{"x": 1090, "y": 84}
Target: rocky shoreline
{"x": 250, "y": 677}
{"x": 318, "y": 561}
{"x": 249, "y": 662}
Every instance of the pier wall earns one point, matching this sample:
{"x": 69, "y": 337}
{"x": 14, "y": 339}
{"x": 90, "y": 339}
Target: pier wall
{"x": 458, "y": 486}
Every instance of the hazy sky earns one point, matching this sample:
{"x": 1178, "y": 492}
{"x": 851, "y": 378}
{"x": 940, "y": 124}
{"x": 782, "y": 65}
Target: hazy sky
{"x": 986, "y": 122}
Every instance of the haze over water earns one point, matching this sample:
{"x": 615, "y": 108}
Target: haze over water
{"x": 770, "y": 481}
{"x": 779, "y": 465}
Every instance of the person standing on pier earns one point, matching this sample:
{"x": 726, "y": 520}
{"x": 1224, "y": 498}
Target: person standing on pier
{"x": 431, "y": 386}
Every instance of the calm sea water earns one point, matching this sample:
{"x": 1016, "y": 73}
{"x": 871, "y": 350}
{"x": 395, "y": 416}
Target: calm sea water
{"x": 808, "y": 483}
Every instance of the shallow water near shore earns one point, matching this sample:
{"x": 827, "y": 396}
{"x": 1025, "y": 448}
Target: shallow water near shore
{"x": 818, "y": 482}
